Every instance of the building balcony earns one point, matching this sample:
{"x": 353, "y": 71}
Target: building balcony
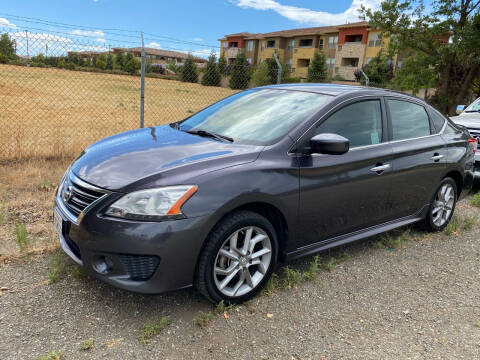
{"x": 233, "y": 52}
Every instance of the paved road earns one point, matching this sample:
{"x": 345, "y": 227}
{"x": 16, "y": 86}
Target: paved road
{"x": 421, "y": 301}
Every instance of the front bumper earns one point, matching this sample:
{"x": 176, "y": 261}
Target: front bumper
{"x": 145, "y": 257}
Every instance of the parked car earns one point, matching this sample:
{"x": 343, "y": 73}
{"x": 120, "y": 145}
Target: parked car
{"x": 264, "y": 176}
{"x": 469, "y": 117}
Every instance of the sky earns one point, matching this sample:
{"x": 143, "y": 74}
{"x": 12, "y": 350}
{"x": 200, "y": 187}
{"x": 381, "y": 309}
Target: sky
{"x": 173, "y": 25}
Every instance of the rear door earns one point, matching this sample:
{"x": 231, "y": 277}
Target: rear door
{"x": 419, "y": 156}
{"x": 340, "y": 194}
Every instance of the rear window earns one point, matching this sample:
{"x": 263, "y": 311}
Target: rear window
{"x": 409, "y": 120}
{"x": 438, "y": 121}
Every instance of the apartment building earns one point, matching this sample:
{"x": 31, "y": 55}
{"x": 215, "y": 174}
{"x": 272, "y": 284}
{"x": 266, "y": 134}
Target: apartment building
{"x": 346, "y": 47}
{"x": 160, "y": 57}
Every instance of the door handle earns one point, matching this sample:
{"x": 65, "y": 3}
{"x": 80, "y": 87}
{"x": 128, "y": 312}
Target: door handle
{"x": 380, "y": 168}
{"x": 437, "y": 157}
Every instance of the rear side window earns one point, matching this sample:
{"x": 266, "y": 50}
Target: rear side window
{"x": 361, "y": 123}
{"x": 409, "y": 120}
{"x": 438, "y": 121}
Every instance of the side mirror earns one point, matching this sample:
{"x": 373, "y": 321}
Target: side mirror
{"x": 460, "y": 109}
{"x": 332, "y": 144}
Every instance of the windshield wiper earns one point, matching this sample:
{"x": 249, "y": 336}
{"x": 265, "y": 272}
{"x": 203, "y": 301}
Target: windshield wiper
{"x": 210, "y": 134}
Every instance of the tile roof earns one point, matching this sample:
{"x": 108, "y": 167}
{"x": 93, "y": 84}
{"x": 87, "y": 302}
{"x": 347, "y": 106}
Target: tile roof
{"x": 161, "y": 52}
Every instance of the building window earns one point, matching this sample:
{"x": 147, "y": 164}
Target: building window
{"x": 332, "y": 42}
{"x": 305, "y": 43}
{"x": 291, "y": 44}
{"x": 353, "y": 38}
{"x": 263, "y": 45}
{"x": 330, "y": 63}
{"x": 225, "y": 45}
{"x": 375, "y": 40}
{"x": 270, "y": 44}
{"x": 350, "y": 62}
{"x": 320, "y": 43}
{"x": 250, "y": 45}
{"x": 303, "y": 62}
{"x": 233, "y": 44}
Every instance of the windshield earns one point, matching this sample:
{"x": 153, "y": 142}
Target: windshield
{"x": 475, "y": 106}
{"x": 257, "y": 116}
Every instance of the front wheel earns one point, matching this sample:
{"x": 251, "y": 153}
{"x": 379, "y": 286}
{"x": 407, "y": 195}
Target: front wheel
{"x": 442, "y": 206}
{"x": 238, "y": 258}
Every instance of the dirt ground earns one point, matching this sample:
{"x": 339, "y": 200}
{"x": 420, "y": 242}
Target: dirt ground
{"x": 49, "y": 112}
{"x": 407, "y": 295}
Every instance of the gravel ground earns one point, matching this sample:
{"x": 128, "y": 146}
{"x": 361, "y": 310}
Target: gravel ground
{"x": 419, "y": 301}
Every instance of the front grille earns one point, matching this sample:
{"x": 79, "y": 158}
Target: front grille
{"x": 140, "y": 268}
{"x": 77, "y": 197}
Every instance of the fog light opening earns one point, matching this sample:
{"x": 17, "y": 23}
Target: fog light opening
{"x": 102, "y": 264}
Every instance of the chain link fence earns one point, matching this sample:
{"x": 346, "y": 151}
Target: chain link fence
{"x": 60, "y": 92}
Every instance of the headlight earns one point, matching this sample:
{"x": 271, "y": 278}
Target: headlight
{"x": 152, "y": 204}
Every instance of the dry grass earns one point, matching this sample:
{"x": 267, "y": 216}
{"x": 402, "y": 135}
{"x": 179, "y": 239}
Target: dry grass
{"x": 29, "y": 188}
{"x": 46, "y": 112}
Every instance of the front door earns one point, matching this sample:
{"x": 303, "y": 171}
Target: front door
{"x": 340, "y": 194}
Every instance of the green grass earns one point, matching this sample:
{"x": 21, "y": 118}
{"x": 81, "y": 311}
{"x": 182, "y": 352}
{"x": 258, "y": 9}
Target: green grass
{"x": 453, "y": 226}
{"x": 58, "y": 266}
{"x": 45, "y": 186}
{"x": 78, "y": 272}
{"x": 21, "y": 235}
{"x": 221, "y": 308}
{"x": 468, "y": 223}
{"x": 271, "y": 286}
{"x": 475, "y": 200}
{"x": 53, "y": 355}
{"x": 394, "y": 240}
{"x": 203, "y": 318}
{"x": 478, "y": 323}
{"x": 86, "y": 345}
{"x": 151, "y": 330}
{"x": 291, "y": 277}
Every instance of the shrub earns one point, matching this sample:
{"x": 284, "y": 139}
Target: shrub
{"x": 261, "y": 75}
{"x": 70, "y": 66}
{"x": 3, "y": 59}
{"x": 211, "y": 76}
{"x": 101, "y": 64}
{"x": 188, "y": 72}
{"x": 120, "y": 60}
{"x": 6, "y": 47}
{"x": 239, "y": 73}
{"x": 109, "y": 63}
{"x": 132, "y": 66}
{"x": 291, "y": 80}
{"x": 317, "y": 71}
{"x": 61, "y": 63}
{"x": 222, "y": 65}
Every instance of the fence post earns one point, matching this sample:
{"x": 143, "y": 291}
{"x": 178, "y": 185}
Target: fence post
{"x": 279, "y": 71}
{"x": 367, "y": 80}
{"x": 142, "y": 85}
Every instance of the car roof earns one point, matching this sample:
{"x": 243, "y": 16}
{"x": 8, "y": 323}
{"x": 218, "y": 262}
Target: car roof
{"x": 337, "y": 89}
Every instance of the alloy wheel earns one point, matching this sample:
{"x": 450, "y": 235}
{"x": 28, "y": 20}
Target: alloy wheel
{"x": 242, "y": 261}
{"x": 443, "y": 205}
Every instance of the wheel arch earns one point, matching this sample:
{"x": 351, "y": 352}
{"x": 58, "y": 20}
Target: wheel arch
{"x": 458, "y": 178}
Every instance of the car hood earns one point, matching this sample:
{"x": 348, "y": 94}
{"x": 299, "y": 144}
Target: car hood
{"x": 123, "y": 159}
{"x": 469, "y": 120}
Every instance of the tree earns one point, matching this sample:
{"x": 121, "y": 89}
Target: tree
{"x": 120, "y": 60}
{"x": 222, "y": 65}
{"x": 189, "y": 72}
{"x": 273, "y": 70}
{"x": 101, "y": 64}
{"x": 131, "y": 66}
{"x": 261, "y": 75}
{"x": 317, "y": 71}
{"x": 211, "y": 76}
{"x": 239, "y": 73}
{"x": 109, "y": 64}
{"x": 379, "y": 71}
{"x": 454, "y": 63}
{"x": 6, "y": 47}
{"x": 414, "y": 75}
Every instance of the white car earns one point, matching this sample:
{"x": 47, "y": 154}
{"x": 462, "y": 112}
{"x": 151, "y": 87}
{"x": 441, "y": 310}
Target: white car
{"x": 470, "y": 118}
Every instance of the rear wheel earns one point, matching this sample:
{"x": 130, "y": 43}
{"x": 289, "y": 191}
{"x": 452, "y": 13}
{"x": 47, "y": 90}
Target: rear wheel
{"x": 238, "y": 258}
{"x": 442, "y": 205}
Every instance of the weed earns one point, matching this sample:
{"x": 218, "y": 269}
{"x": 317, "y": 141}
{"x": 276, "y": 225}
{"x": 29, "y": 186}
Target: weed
{"x": 333, "y": 262}
{"x": 58, "y": 268}
{"x": 21, "y": 235}
{"x": 478, "y": 323}
{"x": 475, "y": 200}
{"x": 3, "y": 209}
{"x": 271, "y": 286}
{"x": 203, "y": 318}
{"x": 221, "y": 308}
{"x": 468, "y": 223}
{"x": 453, "y": 226}
{"x": 392, "y": 241}
{"x": 53, "y": 355}
{"x": 86, "y": 344}
{"x": 292, "y": 277}
{"x": 45, "y": 186}
{"x": 311, "y": 273}
{"x": 190, "y": 111}
{"x": 153, "y": 329}
{"x": 78, "y": 272}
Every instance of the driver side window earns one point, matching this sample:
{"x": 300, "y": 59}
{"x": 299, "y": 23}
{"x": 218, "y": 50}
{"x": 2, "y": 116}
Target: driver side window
{"x": 361, "y": 123}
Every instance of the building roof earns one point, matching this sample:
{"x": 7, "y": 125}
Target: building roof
{"x": 352, "y": 25}
{"x": 161, "y": 52}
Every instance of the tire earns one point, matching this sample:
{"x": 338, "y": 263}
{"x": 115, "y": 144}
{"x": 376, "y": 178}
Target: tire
{"x": 226, "y": 255}
{"x": 439, "y": 206}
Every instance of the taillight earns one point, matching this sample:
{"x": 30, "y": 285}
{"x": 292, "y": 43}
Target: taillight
{"x": 473, "y": 141}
